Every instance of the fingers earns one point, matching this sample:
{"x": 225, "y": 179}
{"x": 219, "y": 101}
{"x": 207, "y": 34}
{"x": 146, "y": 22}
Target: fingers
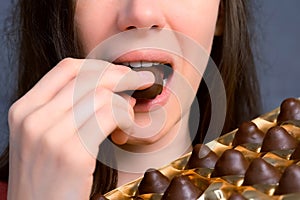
{"x": 72, "y": 79}
{"x": 119, "y": 137}
{"x": 96, "y": 129}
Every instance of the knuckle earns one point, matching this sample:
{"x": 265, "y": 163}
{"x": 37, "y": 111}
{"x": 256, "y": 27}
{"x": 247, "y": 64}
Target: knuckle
{"x": 14, "y": 112}
{"x": 29, "y": 125}
{"x": 66, "y": 62}
{"x": 48, "y": 143}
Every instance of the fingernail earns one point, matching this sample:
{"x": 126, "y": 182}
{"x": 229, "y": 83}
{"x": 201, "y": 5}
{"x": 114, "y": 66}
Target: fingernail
{"x": 147, "y": 76}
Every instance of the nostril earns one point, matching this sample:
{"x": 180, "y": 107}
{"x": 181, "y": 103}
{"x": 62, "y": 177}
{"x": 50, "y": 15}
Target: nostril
{"x": 130, "y": 27}
{"x": 154, "y": 27}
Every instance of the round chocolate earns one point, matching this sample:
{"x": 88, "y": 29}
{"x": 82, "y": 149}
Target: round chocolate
{"x": 296, "y": 153}
{"x": 290, "y": 180}
{"x": 248, "y": 132}
{"x": 153, "y": 182}
{"x": 289, "y": 110}
{"x": 156, "y": 88}
{"x": 236, "y": 196}
{"x": 181, "y": 187}
{"x": 202, "y": 157}
{"x": 277, "y": 138}
{"x": 261, "y": 172}
{"x": 231, "y": 162}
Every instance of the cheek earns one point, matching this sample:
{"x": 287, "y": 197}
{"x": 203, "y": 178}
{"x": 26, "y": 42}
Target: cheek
{"x": 196, "y": 19}
{"x": 92, "y": 23}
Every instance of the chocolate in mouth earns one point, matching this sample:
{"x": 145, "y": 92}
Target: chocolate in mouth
{"x": 161, "y": 72}
{"x": 156, "y": 88}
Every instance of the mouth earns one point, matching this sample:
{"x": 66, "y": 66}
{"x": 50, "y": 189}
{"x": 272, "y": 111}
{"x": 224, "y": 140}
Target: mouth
{"x": 162, "y": 72}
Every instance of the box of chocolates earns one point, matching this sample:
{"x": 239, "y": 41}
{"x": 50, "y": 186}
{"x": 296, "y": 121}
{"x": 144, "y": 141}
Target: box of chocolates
{"x": 259, "y": 160}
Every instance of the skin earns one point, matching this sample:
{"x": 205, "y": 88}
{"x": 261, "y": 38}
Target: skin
{"x": 47, "y": 158}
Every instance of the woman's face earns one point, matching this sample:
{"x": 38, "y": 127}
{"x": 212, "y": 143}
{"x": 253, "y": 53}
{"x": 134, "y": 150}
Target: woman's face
{"x": 98, "y": 20}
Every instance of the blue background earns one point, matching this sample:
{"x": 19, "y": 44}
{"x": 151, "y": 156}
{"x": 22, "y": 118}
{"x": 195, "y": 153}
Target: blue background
{"x": 277, "y": 56}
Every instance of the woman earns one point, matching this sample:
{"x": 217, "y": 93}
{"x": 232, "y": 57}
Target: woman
{"x": 47, "y": 158}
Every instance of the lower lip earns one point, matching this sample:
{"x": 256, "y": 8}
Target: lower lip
{"x": 146, "y": 105}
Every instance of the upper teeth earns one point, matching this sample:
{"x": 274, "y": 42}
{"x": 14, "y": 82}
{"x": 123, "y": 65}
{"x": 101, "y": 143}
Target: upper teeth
{"x": 141, "y": 64}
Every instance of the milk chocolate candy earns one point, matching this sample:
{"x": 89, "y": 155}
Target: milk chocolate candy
{"x": 277, "y": 138}
{"x": 296, "y": 154}
{"x": 231, "y": 162}
{"x": 181, "y": 187}
{"x": 289, "y": 110}
{"x": 153, "y": 182}
{"x": 156, "y": 88}
{"x": 248, "y": 132}
{"x": 236, "y": 196}
{"x": 202, "y": 157}
{"x": 290, "y": 180}
{"x": 261, "y": 172}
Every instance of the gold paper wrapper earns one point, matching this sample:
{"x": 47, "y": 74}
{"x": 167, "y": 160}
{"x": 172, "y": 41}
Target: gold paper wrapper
{"x": 221, "y": 188}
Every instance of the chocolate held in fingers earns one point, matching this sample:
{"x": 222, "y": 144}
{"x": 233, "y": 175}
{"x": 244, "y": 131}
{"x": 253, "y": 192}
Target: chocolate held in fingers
{"x": 156, "y": 88}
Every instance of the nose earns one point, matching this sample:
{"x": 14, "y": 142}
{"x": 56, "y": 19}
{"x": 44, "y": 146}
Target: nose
{"x": 141, "y": 14}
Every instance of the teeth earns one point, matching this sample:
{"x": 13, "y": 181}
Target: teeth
{"x": 165, "y": 81}
{"x": 135, "y": 64}
{"x": 141, "y": 64}
{"x": 147, "y": 64}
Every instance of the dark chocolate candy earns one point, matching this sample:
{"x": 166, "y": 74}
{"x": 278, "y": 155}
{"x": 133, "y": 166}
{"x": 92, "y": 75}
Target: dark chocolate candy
{"x": 289, "y": 110}
{"x": 277, "y": 138}
{"x": 202, "y": 157}
{"x": 261, "y": 172}
{"x": 236, "y": 196}
{"x": 156, "y": 88}
{"x": 296, "y": 153}
{"x": 248, "y": 132}
{"x": 153, "y": 182}
{"x": 181, "y": 187}
{"x": 231, "y": 162}
{"x": 290, "y": 181}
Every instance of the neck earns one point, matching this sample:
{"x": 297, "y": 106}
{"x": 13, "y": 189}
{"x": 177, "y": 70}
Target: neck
{"x": 133, "y": 162}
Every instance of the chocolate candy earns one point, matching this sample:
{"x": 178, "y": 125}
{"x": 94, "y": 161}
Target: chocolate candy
{"x": 236, "y": 196}
{"x": 181, "y": 187}
{"x": 231, "y": 162}
{"x": 248, "y": 132}
{"x": 156, "y": 88}
{"x": 202, "y": 157}
{"x": 296, "y": 153}
{"x": 289, "y": 110}
{"x": 277, "y": 138}
{"x": 290, "y": 180}
{"x": 261, "y": 172}
{"x": 153, "y": 182}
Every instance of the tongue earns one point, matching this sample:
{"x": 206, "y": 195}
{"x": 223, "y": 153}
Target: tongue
{"x": 156, "y": 88}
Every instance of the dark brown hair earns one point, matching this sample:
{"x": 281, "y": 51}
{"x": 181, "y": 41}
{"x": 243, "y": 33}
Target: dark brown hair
{"x": 45, "y": 35}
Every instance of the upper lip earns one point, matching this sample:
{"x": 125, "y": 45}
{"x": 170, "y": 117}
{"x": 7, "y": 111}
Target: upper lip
{"x": 146, "y": 56}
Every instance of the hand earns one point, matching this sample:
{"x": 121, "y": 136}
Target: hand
{"x": 47, "y": 157}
